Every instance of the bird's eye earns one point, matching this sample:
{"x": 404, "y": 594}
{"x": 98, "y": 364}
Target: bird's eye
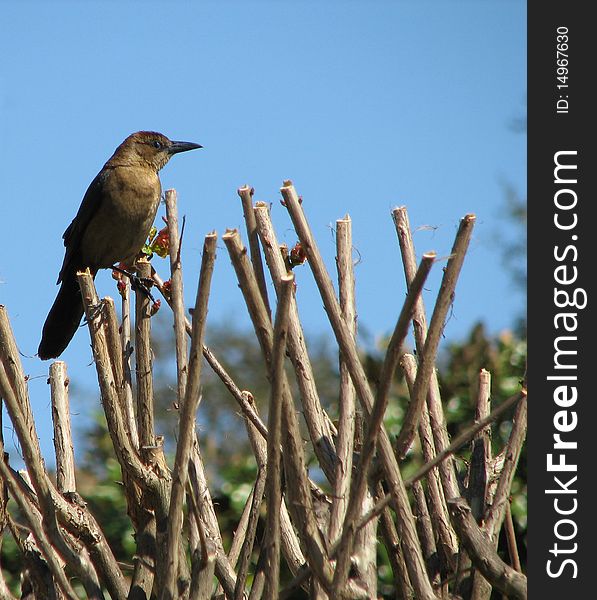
{"x": 157, "y": 144}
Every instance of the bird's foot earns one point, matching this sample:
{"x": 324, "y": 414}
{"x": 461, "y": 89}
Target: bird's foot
{"x": 94, "y": 311}
{"x": 138, "y": 284}
{"x": 143, "y": 285}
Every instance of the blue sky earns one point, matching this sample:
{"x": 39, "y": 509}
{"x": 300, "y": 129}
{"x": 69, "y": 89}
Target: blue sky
{"x": 364, "y": 105}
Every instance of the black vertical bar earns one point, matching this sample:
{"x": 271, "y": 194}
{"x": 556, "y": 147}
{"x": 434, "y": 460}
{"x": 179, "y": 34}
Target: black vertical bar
{"x": 562, "y": 199}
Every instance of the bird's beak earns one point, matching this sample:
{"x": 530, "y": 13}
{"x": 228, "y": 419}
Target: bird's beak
{"x": 176, "y": 147}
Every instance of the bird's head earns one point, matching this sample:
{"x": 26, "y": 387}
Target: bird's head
{"x": 150, "y": 147}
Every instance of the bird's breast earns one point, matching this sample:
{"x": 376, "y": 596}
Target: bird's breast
{"x": 117, "y": 231}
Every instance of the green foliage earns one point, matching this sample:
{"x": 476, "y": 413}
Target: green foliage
{"x": 158, "y": 243}
{"x": 11, "y": 562}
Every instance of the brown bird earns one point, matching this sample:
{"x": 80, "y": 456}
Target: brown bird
{"x": 112, "y": 224}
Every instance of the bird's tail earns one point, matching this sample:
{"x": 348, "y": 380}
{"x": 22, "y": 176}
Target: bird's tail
{"x": 63, "y": 319}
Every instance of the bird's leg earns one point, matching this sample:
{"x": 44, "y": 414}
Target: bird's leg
{"x": 141, "y": 284}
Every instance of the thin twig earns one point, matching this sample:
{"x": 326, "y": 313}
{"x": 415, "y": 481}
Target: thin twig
{"x": 247, "y": 282}
{"x": 242, "y": 569}
{"x": 439, "y": 511}
{"x": 404, "y": 588}
{"x": 259, "y": 579}
{"x": 290, "y": 543}
{"x": 187, "y": 418}
{"x": 425, "y": 529}
{"x": 119, "y": 368}
{"x": 246, "y": 196}
{"x": 318, "y": 423}
{"x": 434, "y": 402}
{"x": 298, "y": 492}
{"x": 495, "y": 515}
{"x": 347, "y": 397}
{"x": 176, "y": 292}
{"x": 481, "y": 451}
{"x": 223, "y": 569}
{"x": 126, "y": 349}
{"x": 478, "y": 477}
{"x": 511, "y": 539}
{"x": 274, "y": 454}
{"x": 203, "y": 566}
{"x": 445, "y": 298}
{"x": 244, "y": 534}
{"x": 483, "y": 554}
{"x": 240, "y": 532}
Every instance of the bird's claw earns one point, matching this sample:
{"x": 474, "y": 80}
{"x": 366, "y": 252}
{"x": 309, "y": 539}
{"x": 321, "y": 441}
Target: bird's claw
{"x": 143, "y": 285}
{"x": 94, "y": 311}
{"x": 138, "y": 284}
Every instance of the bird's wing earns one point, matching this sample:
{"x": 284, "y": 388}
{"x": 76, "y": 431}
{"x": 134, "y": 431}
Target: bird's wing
{"x": 74, "y": 232}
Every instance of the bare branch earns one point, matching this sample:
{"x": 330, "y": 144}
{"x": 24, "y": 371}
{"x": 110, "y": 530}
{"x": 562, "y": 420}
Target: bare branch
{"x": 176, "y": 293}
{"x": 404, "y": 587}
{"x": 481, "y": 451}
{"x": 459, "y": 441}
{"x": 219, "y": 370}
{"x": 63, "y": 443}
{"x": 353, "y": 511}
{"x": 439, "y": 510}
{"x": 425, "y": 529}
{"x": 246, "y": 196}
{"x": 143, "y": 366}
{"x": 33, "y": 518}
{"x": 349, "y": 352}
{"x": 495, "y": 515}
{"x": 14, "y": 392}
{"x": 318, "y": 423}
{"x": 406, "y": 525}
{"x": 478, "y": 478}
{"x": 511, "y": 540}
{"x": 347, "y": 401}
{"x": 126, "y": 350}
{"x": 483, "y": 554}
{"x": 434, "y": 402}
{"x": 443, "y": 303}
{"x": 187, "y": 418}
{"x": 274, "y": 453}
